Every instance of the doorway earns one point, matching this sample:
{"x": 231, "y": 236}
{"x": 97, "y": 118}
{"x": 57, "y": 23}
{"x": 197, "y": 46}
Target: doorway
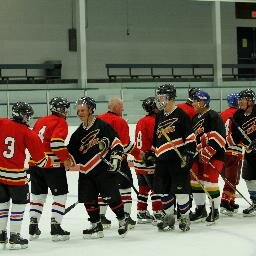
{"x": 246, "y": 50}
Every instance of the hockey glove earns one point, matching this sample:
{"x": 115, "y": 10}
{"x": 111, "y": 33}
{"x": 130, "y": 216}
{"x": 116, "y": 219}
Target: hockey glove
{"x": 149, "y": 158}
{"x": 206, "y": 154}
{"x": 115, "y": 160}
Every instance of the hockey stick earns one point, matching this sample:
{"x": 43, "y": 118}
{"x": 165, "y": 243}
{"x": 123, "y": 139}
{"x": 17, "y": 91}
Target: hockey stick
{"x": 193, "y": 174}
{"x": 68, "y": 209}
{"x": 230, "y": 184}
{"x": 123, "y": 174}
{"x": 183, "y": 161}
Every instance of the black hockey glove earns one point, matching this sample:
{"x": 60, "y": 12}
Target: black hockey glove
{"x": 115, "y": 160}
{"x": 149, "y": 158}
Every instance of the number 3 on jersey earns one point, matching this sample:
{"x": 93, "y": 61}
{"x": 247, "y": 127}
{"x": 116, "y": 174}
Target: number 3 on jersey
{"x": 9, "y": 152}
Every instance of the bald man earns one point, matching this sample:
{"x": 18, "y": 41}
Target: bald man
{"x": 114, "y": 117}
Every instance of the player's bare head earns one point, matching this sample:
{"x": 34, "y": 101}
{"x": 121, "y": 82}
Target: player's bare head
{"x": 116, "y": 105}
{"x": 22, "y": 112}
{"x": 164, "y": 94}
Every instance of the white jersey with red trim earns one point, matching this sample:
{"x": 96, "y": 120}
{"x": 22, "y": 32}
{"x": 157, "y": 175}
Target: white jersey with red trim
{"x": 178, "y": 127}
{"x": 210, "y": 130}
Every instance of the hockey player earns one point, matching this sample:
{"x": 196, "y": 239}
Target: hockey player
{"x": 143, "y": 137}
{"x": 52, "y": 130}
{"x": 120, "y": 125}
{"x": 210, "y": 134}
{"x": 92, "y": 142}
{"x": 15, "y": 138}
{"x": 187, "y": 106}
{"x": 174, "y": 144}
{"x": 245, "y": 119}
{"x": 233, "y": 160}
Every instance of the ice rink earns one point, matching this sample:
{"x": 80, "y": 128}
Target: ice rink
{"x": 229, "y": 236}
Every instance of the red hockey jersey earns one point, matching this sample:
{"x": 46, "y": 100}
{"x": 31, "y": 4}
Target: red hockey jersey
{"x": 143, "y": 138}
{"x": 15, "y": 138}
{"x": 53, "y": 130}
{"x": 188, "y": 109}
{"x": 122, "y": 129}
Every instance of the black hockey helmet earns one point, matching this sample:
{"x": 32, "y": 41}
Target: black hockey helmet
{"x": 167, "y": 89}
{"x": 149, "y": 104}
{"x": 59, "y": 105}
{"x": 192, "y": 92}
{"x": 90, "y": 102}
{"x": 247, "y": 94}
{"x": 22, "y": 112}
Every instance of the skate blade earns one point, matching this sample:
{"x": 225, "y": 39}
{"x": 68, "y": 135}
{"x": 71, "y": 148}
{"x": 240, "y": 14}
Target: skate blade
{"x": 106, "y": 226}
{"x": 250, "y": 214}
{"x": 33, "y": 237}
{"x": 57, "y": 238}
{"x": 166, "y": 229}
{"x": 97, "y": 235}
{"x": 226, "y": 212}
{"x": 130, "y": 226}
{"x": 211, "y": 223}
{"x": 17, "y": 246}
{"x": 144, "y": 221}
{"x": 185, "y": 229}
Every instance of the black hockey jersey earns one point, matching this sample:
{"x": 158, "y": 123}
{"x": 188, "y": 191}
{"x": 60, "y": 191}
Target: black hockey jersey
{"x": 84, "y": 147}
{"x": 178, "y": 127}
{"x": 210, "y": 130}
{"x": 248, "y": 125}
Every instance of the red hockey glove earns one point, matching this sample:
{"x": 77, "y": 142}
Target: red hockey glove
{"x": 206, "y": 154}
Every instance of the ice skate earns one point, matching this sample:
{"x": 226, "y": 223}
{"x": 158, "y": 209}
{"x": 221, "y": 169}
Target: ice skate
{"x": 199, "y": 215}
{"x": 123, "y": 227}
{"x": 16, "y": 242}
{"x": 106, "y": 223}
{"x": 34, "y": 231}
{"x": 3, "y": 239}
{"x": 167, "y": 223}
{"x": 96, "y": 231}
{"x": 57, "y": 233}
{"x": 184, "y": 224}
{"x": 144, "y": 217}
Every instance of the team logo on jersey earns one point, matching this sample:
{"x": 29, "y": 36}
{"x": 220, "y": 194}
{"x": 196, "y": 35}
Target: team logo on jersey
{"x": 249, "y": 126}
{"x": 167, "y": 125}
{"x": 89, "y": 141}
{"x": 198, "y": 127}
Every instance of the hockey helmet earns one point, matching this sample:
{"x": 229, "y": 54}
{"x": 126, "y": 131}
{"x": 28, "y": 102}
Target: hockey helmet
{"x": 201, "y": 95}
{"x": 22, "y": 112}
{"x": 247, "y": 94}
{"x": 232, "y": 99}
{"x": 149, "y": 104}
{"x": 59, "y": 105}
{"x": 88, "y": 101}
{"x": 192, "y": 92}
{"x": 167, "y": 89}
